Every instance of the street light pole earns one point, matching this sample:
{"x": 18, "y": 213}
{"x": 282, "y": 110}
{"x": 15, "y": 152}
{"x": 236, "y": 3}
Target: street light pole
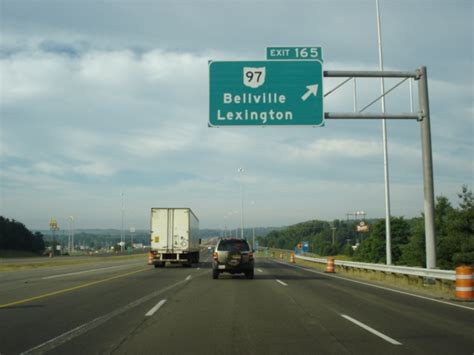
{"x": 225, "y": 226}
{"x": 72, "y": 234}
{"x": 388, "y": 239}
{"x": 69, "y": 237}
{"x": 132, "y": 230}
{"x": 253, "y": 233}
{"x": 241, "y": 171}
{"x": 121, "y": 230}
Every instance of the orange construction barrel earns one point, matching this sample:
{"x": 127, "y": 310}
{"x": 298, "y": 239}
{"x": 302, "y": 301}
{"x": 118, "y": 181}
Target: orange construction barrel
{"x": 292, "y": 258}
{"x": 330, "y": 265}
{"x": 464, "y": 283}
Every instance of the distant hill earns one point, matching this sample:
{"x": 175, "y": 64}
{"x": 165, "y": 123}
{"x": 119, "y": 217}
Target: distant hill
{"x": 248, "y": 232}
{"x": 105, "y": 238}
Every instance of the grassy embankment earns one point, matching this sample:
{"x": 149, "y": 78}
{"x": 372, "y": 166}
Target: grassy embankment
{"x": 434, "y": 288}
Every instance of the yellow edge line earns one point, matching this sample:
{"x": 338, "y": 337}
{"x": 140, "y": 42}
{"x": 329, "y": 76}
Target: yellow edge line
{"x": 69, "y": 289}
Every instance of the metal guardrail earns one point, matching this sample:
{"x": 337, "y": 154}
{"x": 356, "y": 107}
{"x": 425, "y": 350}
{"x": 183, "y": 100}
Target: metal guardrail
{"x": 404, "y": 270}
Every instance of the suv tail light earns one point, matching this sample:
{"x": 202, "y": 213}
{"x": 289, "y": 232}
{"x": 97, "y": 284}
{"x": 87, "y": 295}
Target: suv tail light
{"x": 214, "y": 256}
{"x": 250, "y": 255}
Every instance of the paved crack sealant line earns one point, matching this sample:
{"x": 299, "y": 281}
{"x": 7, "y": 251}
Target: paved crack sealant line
{"x": 371, "y": 330}
{"x": 83, "y": 328}
{"x": 155, "y": 308}
{"x": 54, "y": 293}
{"x": 377, "y": 286}
{"x": 281, "y": 282}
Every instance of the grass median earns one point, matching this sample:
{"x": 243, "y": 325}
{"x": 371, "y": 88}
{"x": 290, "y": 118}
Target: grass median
{"x": 8, "y": 265}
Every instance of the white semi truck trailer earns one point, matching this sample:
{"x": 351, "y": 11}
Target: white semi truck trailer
{"x": 174, "y": 237}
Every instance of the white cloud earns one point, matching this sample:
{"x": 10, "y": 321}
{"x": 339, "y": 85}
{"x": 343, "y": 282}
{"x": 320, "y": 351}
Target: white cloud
{"x": 75, "y": 124}
{"x": 335, "y": 147}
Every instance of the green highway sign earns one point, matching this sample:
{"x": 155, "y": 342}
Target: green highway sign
{"x": 264, "y": 93}
{"x": 296, "y": 53}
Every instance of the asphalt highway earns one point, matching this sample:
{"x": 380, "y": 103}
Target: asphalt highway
{"x": 127, "y": 307}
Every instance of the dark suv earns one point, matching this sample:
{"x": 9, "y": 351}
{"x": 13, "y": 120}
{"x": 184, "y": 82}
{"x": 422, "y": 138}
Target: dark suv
{"x": 233, "y": 256}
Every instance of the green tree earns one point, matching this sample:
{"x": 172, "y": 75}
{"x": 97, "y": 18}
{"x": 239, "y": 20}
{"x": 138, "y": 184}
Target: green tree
{"x": 456, "y": 240}
{"x": 454, "y": 234}
{"x": 413, "y": 253}
{"x": 15, "y": 236}
{"x": 373, "y": 248}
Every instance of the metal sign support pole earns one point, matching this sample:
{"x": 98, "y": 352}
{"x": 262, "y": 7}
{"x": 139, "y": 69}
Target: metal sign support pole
{"x": 427, "y": 170}
{"x": 424, "y": 117}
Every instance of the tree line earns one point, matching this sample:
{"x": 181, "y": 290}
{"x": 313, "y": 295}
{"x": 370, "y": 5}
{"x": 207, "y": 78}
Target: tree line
{"x": 454, "y": 236}
{"x": 15, "y": 236}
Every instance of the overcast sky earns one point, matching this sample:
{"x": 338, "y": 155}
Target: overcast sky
{"x": 104, "y": 97}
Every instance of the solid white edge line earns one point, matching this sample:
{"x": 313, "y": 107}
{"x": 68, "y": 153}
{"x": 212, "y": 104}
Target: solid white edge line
{"x": 281, "y": 282}
{"x": 371, "y": 330}
{"x": 82, "y": 272}
{"x": 377, "y": 286}
{"x": 154, "y": 309}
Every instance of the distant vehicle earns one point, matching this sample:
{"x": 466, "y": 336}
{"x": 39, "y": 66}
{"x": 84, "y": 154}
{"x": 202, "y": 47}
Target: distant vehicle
{"x": 233, "y": 256}
{"x": 174, "y": 237}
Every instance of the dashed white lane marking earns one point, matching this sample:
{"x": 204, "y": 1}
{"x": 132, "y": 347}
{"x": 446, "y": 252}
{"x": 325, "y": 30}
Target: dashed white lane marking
{"x": 371, "y": 330}
{"x": 198, "y": 268}
{"x": 83, "y": 328}
{"x": 154, "y": 309}
{"x": 188, "y": 278}
{"x": 259, "y": 270}
{"x": 281, "y": 282}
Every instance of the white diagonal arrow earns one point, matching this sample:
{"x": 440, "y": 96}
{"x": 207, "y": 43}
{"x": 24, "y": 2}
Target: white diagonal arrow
{"x": 312, "y": 90}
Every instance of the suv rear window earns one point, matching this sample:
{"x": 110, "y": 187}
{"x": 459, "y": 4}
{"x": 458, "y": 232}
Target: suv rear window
{"x": 233, "y": 245}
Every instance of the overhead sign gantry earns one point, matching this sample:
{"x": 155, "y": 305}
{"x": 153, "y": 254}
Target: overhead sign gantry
{"x": 289, "y": 91}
